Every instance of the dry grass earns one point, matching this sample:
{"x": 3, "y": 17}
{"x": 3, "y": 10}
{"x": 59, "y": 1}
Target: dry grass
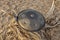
{"x": 10, "y": 30}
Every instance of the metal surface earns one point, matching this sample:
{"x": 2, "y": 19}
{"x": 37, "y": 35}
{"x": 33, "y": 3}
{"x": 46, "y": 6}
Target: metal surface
{"x": 31, "y": 20}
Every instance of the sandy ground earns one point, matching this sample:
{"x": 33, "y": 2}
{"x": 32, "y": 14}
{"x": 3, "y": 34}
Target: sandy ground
{"x": 10, "y": 30}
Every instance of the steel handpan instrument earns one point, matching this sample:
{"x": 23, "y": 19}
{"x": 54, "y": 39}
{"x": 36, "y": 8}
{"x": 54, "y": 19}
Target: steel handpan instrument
{"x": 31, "y": 20}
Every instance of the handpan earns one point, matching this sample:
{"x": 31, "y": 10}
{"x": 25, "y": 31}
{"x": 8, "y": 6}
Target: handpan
{"x": 31, "y": 20}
